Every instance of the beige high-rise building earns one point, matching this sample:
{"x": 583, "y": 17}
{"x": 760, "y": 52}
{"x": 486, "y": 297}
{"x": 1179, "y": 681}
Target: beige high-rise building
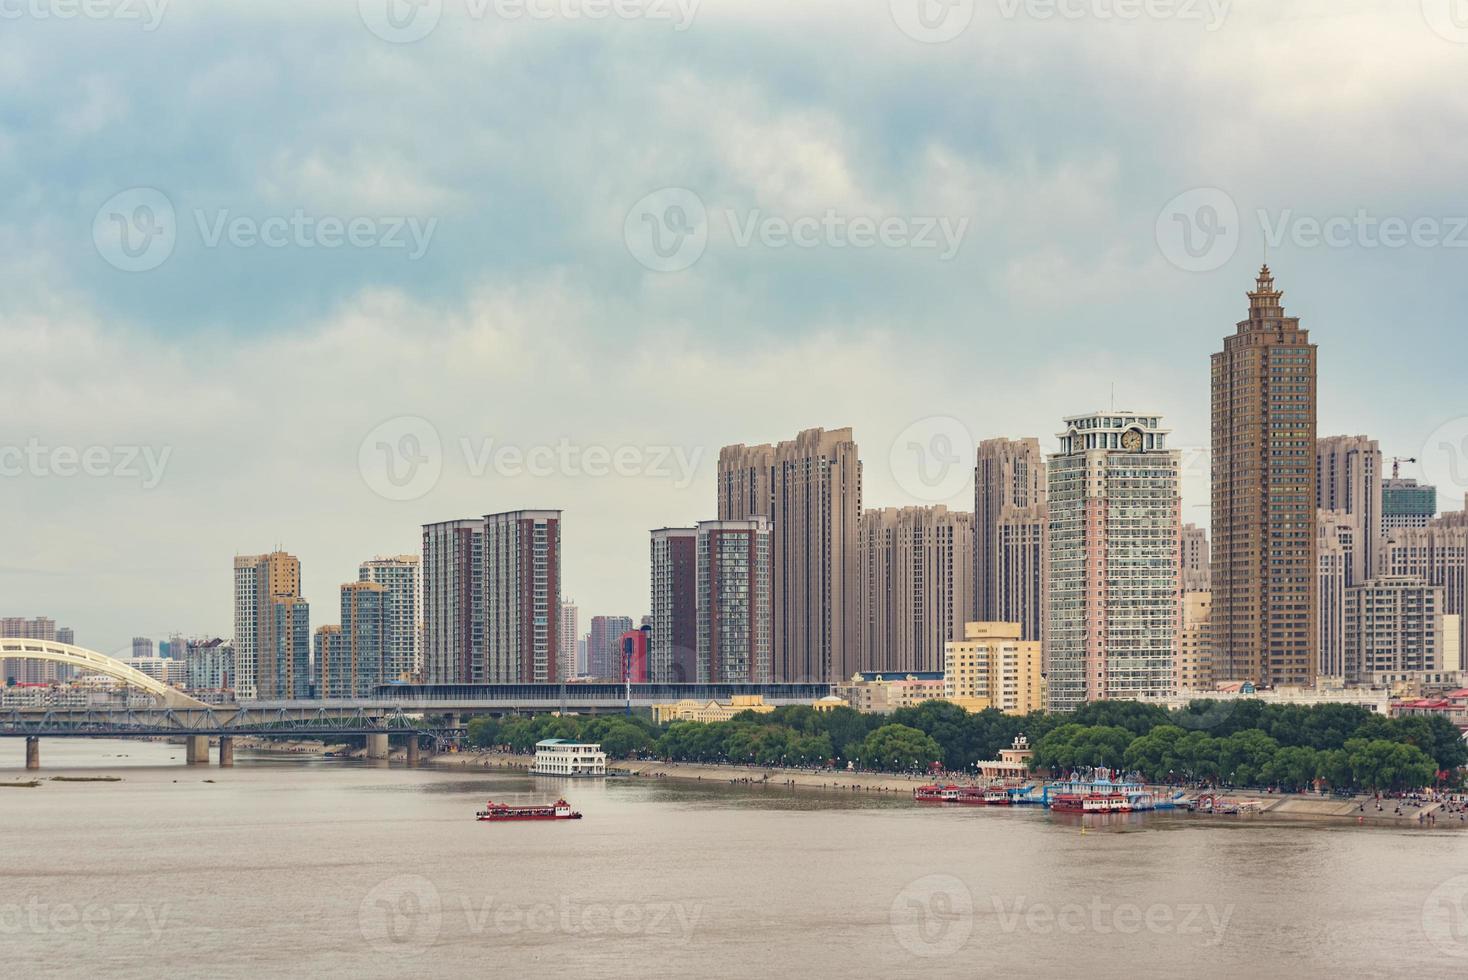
{"x": 1009, "y": 497}
{"x": 1393, "y": 624}
{"x": 1337, "y": 536}
{"x": 1348, "y": 471}
{"x": 916, "y": 563}
{"x": 1437, "y": 553}
{"x": 1196, "y": 576}
{"x": 1265, "y": 626}
{"x": 1195, "y": 643}
{"x": 259, "y": 581}
{"x": 810, "y": 489}
{"x": 992, "y": 666}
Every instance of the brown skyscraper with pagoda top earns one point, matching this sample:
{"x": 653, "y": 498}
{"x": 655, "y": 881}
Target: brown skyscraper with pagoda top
{"x": 1264, "y": 497}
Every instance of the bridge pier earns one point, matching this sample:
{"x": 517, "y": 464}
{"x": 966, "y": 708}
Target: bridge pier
{"x": 196, "y": 750}
{"x": 32, "y": 752}
{"x": 377, "y": 746}
{"x": 226, "y": 751}
{"x": 413, "y": 749}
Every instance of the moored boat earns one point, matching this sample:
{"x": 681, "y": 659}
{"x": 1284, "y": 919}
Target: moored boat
{"x": 559, "y": 810}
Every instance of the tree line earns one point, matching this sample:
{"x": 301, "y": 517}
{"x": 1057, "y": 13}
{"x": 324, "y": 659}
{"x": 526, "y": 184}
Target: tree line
{"x": 1241, "y": 743}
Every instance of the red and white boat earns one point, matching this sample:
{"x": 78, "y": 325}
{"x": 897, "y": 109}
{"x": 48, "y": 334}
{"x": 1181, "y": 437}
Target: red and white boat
{"x": 1090, "y": 803}
{"x": 559, "y": 810}
{"x": 939, "y": 793}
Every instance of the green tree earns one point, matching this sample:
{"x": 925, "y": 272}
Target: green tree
{"x": 899, "y": 748}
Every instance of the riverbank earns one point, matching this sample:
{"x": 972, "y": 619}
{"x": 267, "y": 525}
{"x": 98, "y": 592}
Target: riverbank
{"x": 1360, "y": 809}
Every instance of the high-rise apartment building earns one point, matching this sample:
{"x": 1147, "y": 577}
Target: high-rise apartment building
{"x": 734, "y": 624}
{"x": 261, "y": 584}
{"x": 1195, "y": 644}
{"x": 522, "y": 596}
{"x": 1348, "y": 474}
{"x": 34, "y": 671}
{"x": 1335, "y": 547}
{"x": 1115, "y": 530}
{"x": 1438, "y": 554}
{"x": 210, "y": 664}
{"x": 286, "y": 651}
{"x": 916, "y": 566}
{"x": 1196, "y": 577}
{"x": 570, "y": 638}
{"x": 353, "y": 658}
{"x": 398, "y": 575}
{"x": 453, "y": 602}
{"x": 1264, "y": 497}
{"x": 1406, "y": 503}
{"x": 142, "y": 646}
{"x": 1009, "y": 527}
{"x": 1393, "y": 624}
{"x": 993, "y": 666}
{"x": 603, "y": 651}
{"x": 673, "y": 652}
{"x": 810, "y": 490}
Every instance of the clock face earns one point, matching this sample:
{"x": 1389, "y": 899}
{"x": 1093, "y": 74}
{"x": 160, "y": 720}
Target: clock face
{"x": 1131, "y": 440}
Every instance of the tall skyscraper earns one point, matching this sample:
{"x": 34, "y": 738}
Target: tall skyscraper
{"x": 734, "y": 625}
{"x": 916, "y": 564}
{"x": 1115, "y": 529}
{"x": 353, "y": 658}
{"x": 286, "y": 652}
{"x": 142, "y": 646}
{"x": 398, "y": 575}
{"x": 1196, "y": 577}
{"x": 1406, "y": 503}
{"x": 603, "y": 651}
{"x": 1335, "y": 546}
{"x": 1437, "y": 553}
{"x": 1021, "y": 557}
{"x": 1264, "y": 495}
{"x": 453, "y": 602}
{"x": 810, "y": 490}
{"x": 1348, "y": 474}
{"x": 1009, "y": 476}
{"x": 673, "y": 653}
{"x": 570, "y": 638}
{"x": 33, "y": 671}
{"x": 522, "y": 589}
{"x": 261, "y": 583}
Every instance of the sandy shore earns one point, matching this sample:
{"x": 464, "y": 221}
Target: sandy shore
{"x": 1361, "y": 810}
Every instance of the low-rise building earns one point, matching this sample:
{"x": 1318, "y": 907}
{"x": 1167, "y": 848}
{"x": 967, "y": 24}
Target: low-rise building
{"x": 883, "y": 692}
{"x": 1378, "y": 701}
{"x": 709, "y": 711}
{"x": 1453, "y": 706}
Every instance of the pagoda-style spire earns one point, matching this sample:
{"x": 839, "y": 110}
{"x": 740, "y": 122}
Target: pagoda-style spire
{"x": 1264, "y": 299}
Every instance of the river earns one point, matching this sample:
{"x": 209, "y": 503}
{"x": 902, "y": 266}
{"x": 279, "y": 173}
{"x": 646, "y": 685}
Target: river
{"x": 331, "y": 867}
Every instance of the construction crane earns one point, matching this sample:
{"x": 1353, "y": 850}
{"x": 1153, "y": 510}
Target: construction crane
{"x": 1397, "y": 462}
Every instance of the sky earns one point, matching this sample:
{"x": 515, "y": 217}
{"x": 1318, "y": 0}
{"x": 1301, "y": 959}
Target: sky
{"x": 308, "y": 275}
